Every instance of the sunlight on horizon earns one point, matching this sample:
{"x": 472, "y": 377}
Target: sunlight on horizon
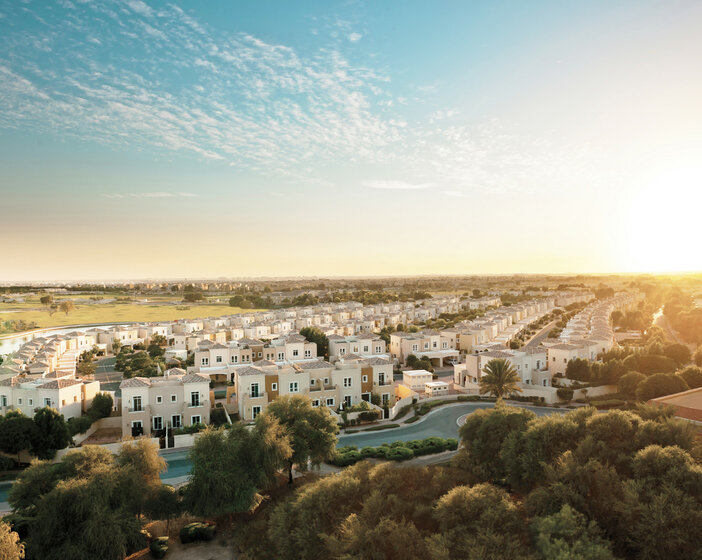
{"x": 662, "y": 223}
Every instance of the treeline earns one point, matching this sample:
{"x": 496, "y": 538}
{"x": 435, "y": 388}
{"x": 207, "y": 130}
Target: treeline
{"x": 684, "y": 317}
{"x": 581, "y": 485}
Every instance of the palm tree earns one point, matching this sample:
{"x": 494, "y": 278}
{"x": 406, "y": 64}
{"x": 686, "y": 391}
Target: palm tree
{"x": 500, "y": 378}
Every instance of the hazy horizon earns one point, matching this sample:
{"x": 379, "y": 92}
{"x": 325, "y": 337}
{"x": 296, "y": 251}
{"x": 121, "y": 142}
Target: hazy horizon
{"x": 165, "y": 140}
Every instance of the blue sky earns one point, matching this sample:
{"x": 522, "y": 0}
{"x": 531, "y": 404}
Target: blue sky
{"x": 235, "y": 125}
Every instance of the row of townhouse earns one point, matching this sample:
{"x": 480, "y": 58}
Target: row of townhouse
{"x": 152, "y": 405}
{"x": 220, "y": 360}
{"x": 587, "y": 334}
{"x": 339, "y": 385}
{"x": 70, "y": 396}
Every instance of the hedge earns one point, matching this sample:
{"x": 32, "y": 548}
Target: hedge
{"x": 396, "y": 451}
{"x": 564, "y": 393}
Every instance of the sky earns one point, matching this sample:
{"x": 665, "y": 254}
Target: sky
{"x": 232, "y": 139}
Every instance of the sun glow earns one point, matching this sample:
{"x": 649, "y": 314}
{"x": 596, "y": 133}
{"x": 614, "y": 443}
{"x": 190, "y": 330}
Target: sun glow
{"x": 663, "y": 225}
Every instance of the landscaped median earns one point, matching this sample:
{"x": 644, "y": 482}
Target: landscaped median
{"x": 397, "y": 451}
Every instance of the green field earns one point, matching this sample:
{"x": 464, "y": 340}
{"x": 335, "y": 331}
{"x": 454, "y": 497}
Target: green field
{"x": 158, "y": 309}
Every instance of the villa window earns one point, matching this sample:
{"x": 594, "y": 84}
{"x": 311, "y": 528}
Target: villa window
{"x": 195, "y": 420}
{"x": 158, "y": 423}
{"x": 19, "y": 401}
{"x": 159, "y": 400}
{"x": 174, "y": 398}
{"x": 205, "y": 362}
{"x": 365, "y": 379}
{"x": 293, "y": 387}
{"x": 330, "y": 402}
{"x": 385, "y": 398}
{"x": 175, "y": 421}
{"x": 281, "y": 356}
{"x": 194, "y": 398}
{"x": 4, "y": 400}
{"x": 136, "y": 402}
{"x": 253, "y": 390}
{"x": 31, "y": 402}
{"x": 308, "y": 353}
{"x": 219, "y": 359}
{"x": 296, "y": 353}
{"x": 315, "y": 403}
{"x": 255, "y": 411}
{"x": 347, "y": 381}
{"x": 274, "y": 386}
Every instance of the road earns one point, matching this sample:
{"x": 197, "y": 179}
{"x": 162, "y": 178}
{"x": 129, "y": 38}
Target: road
{"x": 543, "y": 333}
{"x": 441, "y": 422}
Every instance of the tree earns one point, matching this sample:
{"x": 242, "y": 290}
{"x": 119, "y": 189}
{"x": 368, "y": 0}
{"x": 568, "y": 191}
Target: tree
{"x": 230, "y": 467}
{"x": 86, "y": 368}
{"x": 312, "y": 431}
{"x": 483, "y": 435}
{"x": 628, "y": 383}
{"x": 52, "y": 433}
{"x": 10, "y": 546}
{"x": 660, "y": 384}
{"x": 193, "y": 296}
{"x": 101, "y": 406}
{"x": 565, "y": 393}
{"x": 17, "y": 434}
{"x": 692, "y": 376}
{"x": 67, "y": 306}
{"x": 500, "y": 378}
{"x": 116, "y": 345}
{"x": 578, "y": 369}
{"x": 479, "y": 522}
{"x": 313, "y": 334}
{"x": 680, "y": 353}
{"x": 163, "y": 503}
{"x": 568, "y": 534}
{"x": 411, "y": 361}
{"x": 47, "y": 299}
{"x": 697, "y": 356}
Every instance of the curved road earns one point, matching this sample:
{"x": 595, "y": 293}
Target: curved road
{"x": 441, "y": 422}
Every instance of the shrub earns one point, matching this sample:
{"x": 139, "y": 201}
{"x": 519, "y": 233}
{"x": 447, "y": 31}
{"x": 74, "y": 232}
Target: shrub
{"x": 197, "y": 532}
{"x": 369, "y": 416}
{"x": 159, "y": 547}
{"x": 452, "y": 444}
{"x": 367, "y": 452}
{"x": 400, "y": 453}
{"x": 564, "y": 393}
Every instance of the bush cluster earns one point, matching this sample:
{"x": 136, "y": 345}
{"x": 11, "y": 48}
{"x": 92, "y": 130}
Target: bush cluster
{"x": 159, "y": 547}
{"x": 197, "y": 531}
{"x": 397, "y": 451}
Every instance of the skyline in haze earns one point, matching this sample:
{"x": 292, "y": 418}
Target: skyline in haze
{"x": 171, "y": 140}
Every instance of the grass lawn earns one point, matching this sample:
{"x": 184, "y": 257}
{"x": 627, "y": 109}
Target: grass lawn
{"x": 114, "y": 312}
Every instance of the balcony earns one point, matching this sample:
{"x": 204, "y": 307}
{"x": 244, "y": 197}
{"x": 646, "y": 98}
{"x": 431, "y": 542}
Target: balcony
{"x": 255, "y": 396}
{"x": 385, "y": 383}
{"x": 316, "y": 388}
{"x": 198, "y": 404}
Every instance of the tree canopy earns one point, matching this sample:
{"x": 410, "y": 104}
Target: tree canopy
{"x": 499, "y": 378}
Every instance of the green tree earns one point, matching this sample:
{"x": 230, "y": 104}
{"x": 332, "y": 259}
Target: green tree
{"x": 628, "y": 383}
{"x": 10, "y": 546}
{"x": 412, "y": 361}
{"x": 313, "y": 334}
{"x": 230, "y": 467}
{"x": 500, "y": 378}
{"x": 482, "y": 437}
{"x": 163, "y": 503}
{"x": 660, "y": 384}
{"x": 697, "y": 356}
{"x": 479, "y": 522}
{"x": 692, "y": 376}
{"x": 17, "y": 434}
{"x": 680, "y": 353}
{"x": 312, "y": 431}
{"x": 52, "y": 433}
{"x": 67, "y": 306}
{"x": 86, "y": 368}
{"x": 47, "y": 299}
{"x": 193, "y": 296}
{"x": 116, "y": 346}
{"x": 578, "y": 369}
{"x": 101, "y": 406}
{"x": 567, "y": 535}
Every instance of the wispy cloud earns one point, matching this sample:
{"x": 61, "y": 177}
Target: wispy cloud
{"x": 396, "y": 185}
{"x": 237, "y": 99}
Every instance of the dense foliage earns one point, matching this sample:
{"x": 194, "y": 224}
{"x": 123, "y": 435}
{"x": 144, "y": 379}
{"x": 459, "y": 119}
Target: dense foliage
{"x": 587, "y": 485}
